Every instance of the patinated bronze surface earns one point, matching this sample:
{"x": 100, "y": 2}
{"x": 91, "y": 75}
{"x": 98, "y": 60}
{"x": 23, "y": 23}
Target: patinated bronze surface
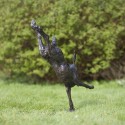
{"x": 67, "y": 73}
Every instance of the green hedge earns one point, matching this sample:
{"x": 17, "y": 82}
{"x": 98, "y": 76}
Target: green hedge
{"x": 95, "y": 29}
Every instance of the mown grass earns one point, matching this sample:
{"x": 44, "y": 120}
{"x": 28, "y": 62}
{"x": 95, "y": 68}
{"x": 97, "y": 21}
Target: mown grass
{"x": 22, "y": 104}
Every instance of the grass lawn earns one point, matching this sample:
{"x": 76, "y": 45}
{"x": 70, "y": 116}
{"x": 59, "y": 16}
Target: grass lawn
{"x": 22, "y": 104}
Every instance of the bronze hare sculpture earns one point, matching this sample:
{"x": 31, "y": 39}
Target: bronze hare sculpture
{"x": 67, "y": 73}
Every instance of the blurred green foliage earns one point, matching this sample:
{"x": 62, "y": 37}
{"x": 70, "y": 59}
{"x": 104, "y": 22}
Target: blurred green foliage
{"x": 95, "y": 29}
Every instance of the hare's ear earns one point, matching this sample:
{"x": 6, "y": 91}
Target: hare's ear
{"x": 74, "y": 57}
{"x": 54, "y": 41}
{"x": 33, "y": 25}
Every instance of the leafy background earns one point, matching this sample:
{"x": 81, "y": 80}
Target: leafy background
{"x": 95, "y": 29}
